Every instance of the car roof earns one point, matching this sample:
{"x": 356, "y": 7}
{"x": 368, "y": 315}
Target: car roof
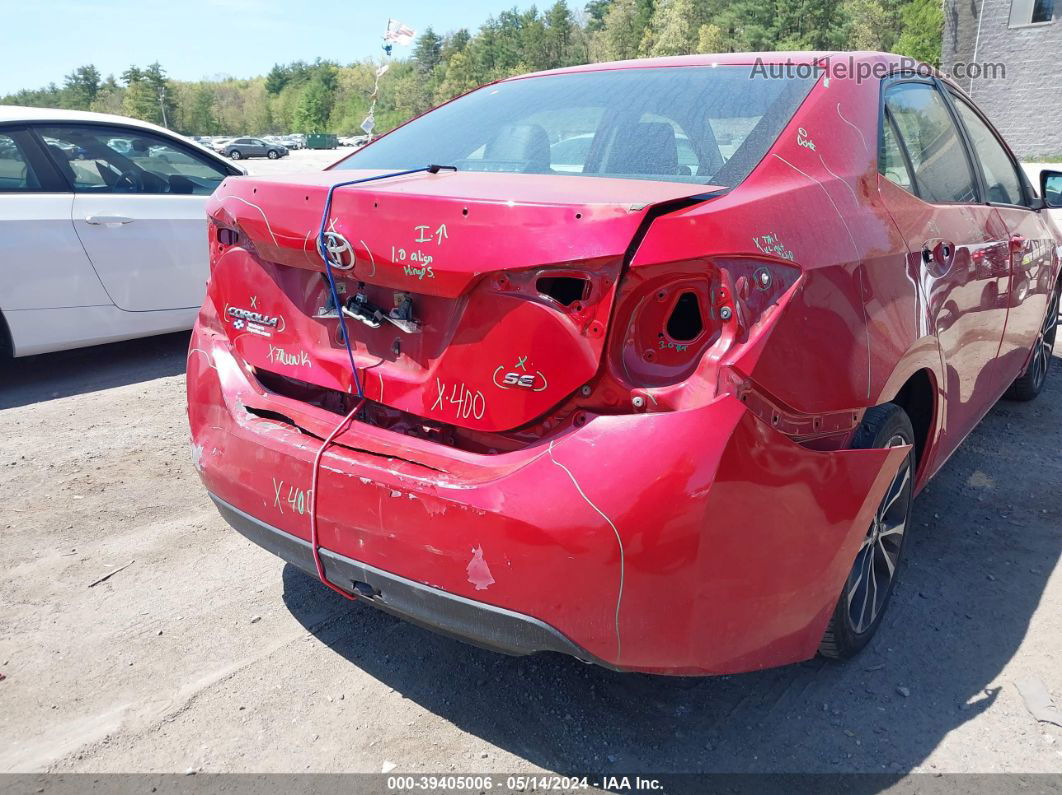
{"x": 19, "y": 113}
{"x": 794, "y": 58}
{"x": 16, "y": 113}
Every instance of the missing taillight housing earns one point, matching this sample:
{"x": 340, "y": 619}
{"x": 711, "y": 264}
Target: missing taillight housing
{"x": 669, "y": 323}
{"x": 565, "y": 290}
{"x": 675, "y": 312}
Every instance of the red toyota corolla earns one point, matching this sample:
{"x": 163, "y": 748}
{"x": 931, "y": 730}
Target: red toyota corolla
{"x": 640, "y": 362}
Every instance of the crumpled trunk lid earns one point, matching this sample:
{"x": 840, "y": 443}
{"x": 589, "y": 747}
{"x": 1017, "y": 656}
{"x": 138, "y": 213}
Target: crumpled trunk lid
{"x": 507, "y": 281}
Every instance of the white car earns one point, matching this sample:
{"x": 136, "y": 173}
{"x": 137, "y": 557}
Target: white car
{"x": 102, "y": 228}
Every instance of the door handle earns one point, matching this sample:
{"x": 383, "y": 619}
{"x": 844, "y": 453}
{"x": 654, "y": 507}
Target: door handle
{"x": 108, "y": 220}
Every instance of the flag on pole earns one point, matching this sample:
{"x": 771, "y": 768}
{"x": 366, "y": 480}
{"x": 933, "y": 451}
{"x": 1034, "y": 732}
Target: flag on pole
{"x": 397, "y": 33}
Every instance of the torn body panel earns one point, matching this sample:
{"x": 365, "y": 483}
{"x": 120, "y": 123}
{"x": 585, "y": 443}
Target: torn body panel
{"x": 644, "y": 539}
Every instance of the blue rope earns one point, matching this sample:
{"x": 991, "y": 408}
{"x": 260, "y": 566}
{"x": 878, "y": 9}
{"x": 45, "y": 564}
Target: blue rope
{"x": 323, "y": 251}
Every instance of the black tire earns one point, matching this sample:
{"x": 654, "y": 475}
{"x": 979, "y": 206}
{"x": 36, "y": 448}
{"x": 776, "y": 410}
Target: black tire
{"x": 235, "y": 154}
{"x": 1031, "y": 383}
{"x": 862, "y": 602}
{"x": 272, "y": 154}
{"x": 7, "y": 348}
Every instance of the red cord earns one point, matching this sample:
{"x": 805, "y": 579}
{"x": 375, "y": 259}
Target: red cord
{"x": 313, "y": 501}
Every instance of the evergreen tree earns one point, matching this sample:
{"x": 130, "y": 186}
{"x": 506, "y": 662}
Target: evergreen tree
{"x": 155, "y": 77}
{"x": 871, "y": 24}
{"x": 710, "y": 39}
{"x": 80, "y": 87}
{"x": 558, "y": 35}
{"x": 139, "y": 100}
{"x": 427, "y": 53}
{"x": 276, "y": 79}
{"x": 922, "y": 30}
{"x": 672, "y": 31}
{"x": 596, "y": 10}
{"x": 622, "y": 33}
{"x": 313, "y": 108}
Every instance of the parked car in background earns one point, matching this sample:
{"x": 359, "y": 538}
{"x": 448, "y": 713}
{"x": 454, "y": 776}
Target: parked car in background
{"x": 239, "y": 148}
{"x": 102, "y": 228}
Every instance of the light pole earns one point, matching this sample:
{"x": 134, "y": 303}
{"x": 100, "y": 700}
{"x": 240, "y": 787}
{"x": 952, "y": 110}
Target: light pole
{"x": 162, "y": 104}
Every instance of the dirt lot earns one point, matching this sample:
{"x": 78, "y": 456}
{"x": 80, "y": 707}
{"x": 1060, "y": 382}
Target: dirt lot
{"x": 207, "y": 653}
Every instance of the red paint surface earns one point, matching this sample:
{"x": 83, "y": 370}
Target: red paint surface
{"x": 710, "y": 476}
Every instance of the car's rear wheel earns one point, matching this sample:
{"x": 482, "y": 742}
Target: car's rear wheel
{"x": 866, "y": 593}
{"x": 273, "y": 154}
{"x": 7, "y": 349}
{"x": 1030, "y": 383}
{"x": 235, "y": 154}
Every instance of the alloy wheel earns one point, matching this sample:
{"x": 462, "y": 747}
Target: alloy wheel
{"x": 1045, "y": 343}
{"x": 875, "y": 566}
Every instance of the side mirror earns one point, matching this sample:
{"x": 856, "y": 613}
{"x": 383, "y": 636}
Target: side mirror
{"x": 1051, "y": 188}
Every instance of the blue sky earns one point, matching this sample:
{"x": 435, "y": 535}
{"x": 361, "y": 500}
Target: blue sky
{"x": 43, "y": 40}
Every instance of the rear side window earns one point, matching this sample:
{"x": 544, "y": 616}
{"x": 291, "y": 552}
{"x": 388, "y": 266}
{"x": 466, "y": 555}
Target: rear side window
{"x": 892, "y": 163}
{"x": 700, "y": 125}
{"x": 104, "y": 159}
{"x": 1001, "y": 177}
{"x": 941, "y": 169}
{"x": 16, "y": 174}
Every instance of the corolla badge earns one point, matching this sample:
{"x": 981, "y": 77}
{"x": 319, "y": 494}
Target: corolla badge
{"x": 255, "y": 322}
{"x": 340, "y": 252}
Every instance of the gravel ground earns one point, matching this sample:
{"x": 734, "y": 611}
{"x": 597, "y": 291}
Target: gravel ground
{"x": 207, "y": 653}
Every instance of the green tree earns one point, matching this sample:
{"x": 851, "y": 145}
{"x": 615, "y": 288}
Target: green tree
{"x": 871, "y": 24}
{"x": 710, "y": 38}
{"x": 621, "y": 34}
{"x": 596, "y": 10}
{"x": 460, "y": 77}
{"x": 671, "y": 30}
{"x": 198, "y": 116}
{"x": 80, "y": 87}
{"x": 921, "y": 31}
{"x": 558, "y": 35}
{"x": 427, "y": 52}
{"x": 313, "y": 108}
{"x": 276, "y": 79}
{"x": 455, "y": 42}
{"x": 155, "y": 77}
{"x": 139, "y": 101}
{"x": 109, "y": 97}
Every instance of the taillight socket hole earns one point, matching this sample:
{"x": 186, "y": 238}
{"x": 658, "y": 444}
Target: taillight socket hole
{"x": 685, "y": 323}
{"x": 568, "y": 291}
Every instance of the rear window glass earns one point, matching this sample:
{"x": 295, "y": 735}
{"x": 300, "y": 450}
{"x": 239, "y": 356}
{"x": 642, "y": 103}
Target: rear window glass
{"x": 688, "y": 124}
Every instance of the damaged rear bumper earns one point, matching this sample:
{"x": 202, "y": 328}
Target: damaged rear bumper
{"x": 700, "y": 541}
{"x": 484, "y": 625}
